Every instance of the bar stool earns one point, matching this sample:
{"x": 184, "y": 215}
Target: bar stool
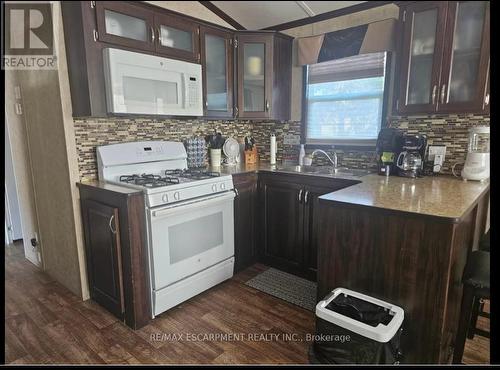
{"x": 476, "y": 280}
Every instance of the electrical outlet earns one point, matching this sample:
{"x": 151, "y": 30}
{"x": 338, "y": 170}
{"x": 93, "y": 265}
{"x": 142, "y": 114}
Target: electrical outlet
{"x": 436, "y": 156}
{"x": 436, "y": 150}
{"x": 290, "y": 139}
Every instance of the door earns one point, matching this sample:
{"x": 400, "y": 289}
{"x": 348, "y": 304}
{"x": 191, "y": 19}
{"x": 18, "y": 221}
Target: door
{"x": 283, "y": 220}
{"x": 188, "y": 237}
{"x": 254, "y": 75}
{"x": 125, "y": 24}
{"x": 244, "y": 223}
{"x": 177, "y": 37}
{"x": 422, "y": 52}
{"x": 466, "y": 57}
{"x": 103, "y": 249}
{"x": 217, "y": 62}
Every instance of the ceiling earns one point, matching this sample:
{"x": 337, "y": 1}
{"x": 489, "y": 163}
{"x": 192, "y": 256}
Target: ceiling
{"x": 255, "y": 15}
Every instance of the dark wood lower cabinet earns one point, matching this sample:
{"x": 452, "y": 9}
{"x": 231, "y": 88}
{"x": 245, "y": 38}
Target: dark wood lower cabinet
{"x": 311, "y": 222}
{"x": 289, "y": 220}
{"x": 283, "y": 225}
{"x": 116, "y": 254}
{"x": 411, "y": 260}
{"x": 245, "y": 204}
{"x": 104, "y": 260}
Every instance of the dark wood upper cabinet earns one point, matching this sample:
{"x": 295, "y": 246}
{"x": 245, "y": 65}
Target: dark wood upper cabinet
{"x": 258, "y": 72}
{"x": 217, "y": 60}
{"x": 466, "y": 57}
{"x": 125, "y": 24}
{"x": 444, "y": 57}
{"x": 421, "y": 56}
{"x": 264, "y": 75}
{"x": 103, "y": 253}
{"x": 177, "y": 37}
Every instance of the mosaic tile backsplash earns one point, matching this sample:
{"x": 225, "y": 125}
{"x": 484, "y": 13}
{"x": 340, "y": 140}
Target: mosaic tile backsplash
{"x": 449, "y": 130}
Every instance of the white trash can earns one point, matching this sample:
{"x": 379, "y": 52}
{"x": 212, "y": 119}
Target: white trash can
{"x": 353, "y": 328}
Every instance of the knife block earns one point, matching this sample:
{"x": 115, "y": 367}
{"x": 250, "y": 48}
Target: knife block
{"x": 251, "y": 156}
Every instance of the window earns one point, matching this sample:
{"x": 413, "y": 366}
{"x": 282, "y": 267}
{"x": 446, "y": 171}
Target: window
{"x": 345, "y": 100}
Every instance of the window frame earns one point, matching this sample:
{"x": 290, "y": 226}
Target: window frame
{"x": 361, "y": 144}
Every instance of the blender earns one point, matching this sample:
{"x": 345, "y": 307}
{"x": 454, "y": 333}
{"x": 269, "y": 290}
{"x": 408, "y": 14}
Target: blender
{"x": 477, "y": 163}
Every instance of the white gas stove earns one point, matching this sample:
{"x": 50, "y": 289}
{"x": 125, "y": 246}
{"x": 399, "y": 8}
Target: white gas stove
{"x": 159, "y": 168}
{"x": 189, "y": 215}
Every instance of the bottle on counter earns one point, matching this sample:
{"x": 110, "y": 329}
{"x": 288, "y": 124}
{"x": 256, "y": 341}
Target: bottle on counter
{"x": 273, "y": 149}
{"x": 302, "y": 154}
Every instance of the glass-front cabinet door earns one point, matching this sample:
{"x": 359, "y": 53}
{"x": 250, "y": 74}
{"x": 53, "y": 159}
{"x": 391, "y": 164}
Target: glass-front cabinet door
{"x": 217, "y": 63}
{"x": 466, "y": 57}
{"x": 254, "y": 75}
{"x": 125, "y": 24}
{"x": 424, "y": 26}
{"x": 178, "y": 38}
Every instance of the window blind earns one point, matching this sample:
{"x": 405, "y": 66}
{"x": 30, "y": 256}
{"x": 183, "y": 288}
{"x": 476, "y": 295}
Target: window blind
{"x": 359, "y": 66}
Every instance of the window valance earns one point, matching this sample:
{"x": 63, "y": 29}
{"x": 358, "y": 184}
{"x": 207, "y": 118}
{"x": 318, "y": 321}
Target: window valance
{"x": 368, "y": 38}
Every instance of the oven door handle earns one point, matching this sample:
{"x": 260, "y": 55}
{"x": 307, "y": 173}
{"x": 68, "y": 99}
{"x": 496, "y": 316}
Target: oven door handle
{"x": 193, "y": 203}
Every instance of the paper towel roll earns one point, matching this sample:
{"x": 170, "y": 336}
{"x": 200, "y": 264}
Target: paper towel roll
{"x": 273, "y": 149}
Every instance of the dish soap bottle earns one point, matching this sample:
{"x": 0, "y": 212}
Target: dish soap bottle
{"x": 302, "y": 154}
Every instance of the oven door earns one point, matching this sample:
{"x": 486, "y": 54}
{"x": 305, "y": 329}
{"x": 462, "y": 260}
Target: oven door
{"x": 189, "y": 237}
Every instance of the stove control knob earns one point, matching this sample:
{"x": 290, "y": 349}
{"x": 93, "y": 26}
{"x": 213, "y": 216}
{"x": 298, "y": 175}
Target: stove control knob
{"x": 214, "y": 188}
{"x": 177, "y": 196}
{"x": 164, "y": 198}
{"x": 222, "y": 186}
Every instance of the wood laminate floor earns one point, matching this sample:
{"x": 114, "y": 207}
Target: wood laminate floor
{"x": 45, "y": 323}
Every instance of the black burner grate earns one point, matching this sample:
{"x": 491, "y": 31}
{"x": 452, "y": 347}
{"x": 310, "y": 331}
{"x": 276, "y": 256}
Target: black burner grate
{"x": 192, "y": 174}
{"x": 148, "y": 180}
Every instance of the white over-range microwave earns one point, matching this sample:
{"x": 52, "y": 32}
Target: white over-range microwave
{"x": 146, "y": 84}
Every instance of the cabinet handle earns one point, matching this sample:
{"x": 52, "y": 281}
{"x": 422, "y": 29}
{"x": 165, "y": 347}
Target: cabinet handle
{"x": 300, "y": 195}
{"x": 110, "y": 224}
{"x": 236, "y": 192}
{"x": 267, "y": 105}
{"x": 305, "y": 196}
{"x": 487, "y": 99}
{"x": 152, "y": 34}
{"x": 443, "y": 93}
{"x": 434, "y": 94}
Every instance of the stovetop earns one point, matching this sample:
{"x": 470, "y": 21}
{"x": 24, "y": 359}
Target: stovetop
{"x": 168, "y": 177}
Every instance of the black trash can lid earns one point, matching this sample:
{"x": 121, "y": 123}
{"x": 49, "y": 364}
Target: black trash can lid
{"x": 361, "y": 314}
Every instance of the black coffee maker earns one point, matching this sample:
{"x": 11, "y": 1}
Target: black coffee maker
{"x": 410, "y": 158}
{"x": 388, "y": 148}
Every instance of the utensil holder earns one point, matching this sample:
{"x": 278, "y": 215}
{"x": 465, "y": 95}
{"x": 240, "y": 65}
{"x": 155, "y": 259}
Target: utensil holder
{"x": 251, "y": 156}
{"x": 215, "y": 157}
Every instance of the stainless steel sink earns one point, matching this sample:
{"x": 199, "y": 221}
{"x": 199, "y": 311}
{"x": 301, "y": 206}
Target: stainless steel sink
{"x": 326, "y": 170}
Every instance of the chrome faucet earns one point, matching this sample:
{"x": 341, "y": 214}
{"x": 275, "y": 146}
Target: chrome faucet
{"x": 333, "y": 161}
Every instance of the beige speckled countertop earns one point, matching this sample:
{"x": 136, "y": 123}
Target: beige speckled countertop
{"x": 439, "y": 196}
